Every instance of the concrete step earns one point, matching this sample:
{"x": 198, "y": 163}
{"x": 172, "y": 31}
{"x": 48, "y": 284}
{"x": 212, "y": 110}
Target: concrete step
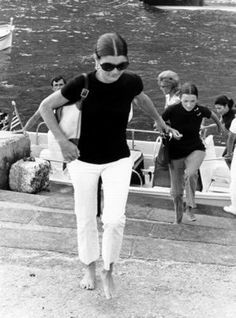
{"x": 61, "y": 197}
{"x": 47, "y": 222}
{"x": 155, "y": 223}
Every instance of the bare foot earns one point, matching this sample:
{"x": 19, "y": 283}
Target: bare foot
{"x": 108, "y": 283}
{"x": 88, "y": 281}
{"x": 190, "y": 214}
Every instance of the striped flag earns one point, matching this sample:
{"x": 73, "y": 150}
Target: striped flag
{"x": 16, "y": 123}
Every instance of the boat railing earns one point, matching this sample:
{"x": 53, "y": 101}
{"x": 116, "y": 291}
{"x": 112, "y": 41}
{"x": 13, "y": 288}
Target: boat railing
{"x": 134, "y": 131}
{"x": 37, "y": 132}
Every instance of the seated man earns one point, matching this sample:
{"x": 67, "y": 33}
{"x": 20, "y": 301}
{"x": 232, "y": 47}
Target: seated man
{"x": 56, "y": 83}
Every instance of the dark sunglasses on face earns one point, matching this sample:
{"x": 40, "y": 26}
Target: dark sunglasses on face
{"x": 108, "y": 67}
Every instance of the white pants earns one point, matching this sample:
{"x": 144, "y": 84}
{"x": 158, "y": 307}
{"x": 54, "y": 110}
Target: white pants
{"x": 115, "y": 179}
{"x": 233, "y": 181}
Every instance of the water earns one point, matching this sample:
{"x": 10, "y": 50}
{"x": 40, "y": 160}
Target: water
{"x": 53, "y": 36}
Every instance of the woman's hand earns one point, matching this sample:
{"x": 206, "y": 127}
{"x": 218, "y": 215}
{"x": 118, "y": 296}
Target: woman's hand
{"x": 69, "y": 150}
{"x": 175, "y": 133}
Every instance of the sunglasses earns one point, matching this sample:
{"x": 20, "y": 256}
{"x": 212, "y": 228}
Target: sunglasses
{"x": 108, "y": 67}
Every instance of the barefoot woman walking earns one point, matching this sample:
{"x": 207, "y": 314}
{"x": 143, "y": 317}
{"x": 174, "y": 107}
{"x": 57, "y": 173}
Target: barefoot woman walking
{"x": 102, "y": 151}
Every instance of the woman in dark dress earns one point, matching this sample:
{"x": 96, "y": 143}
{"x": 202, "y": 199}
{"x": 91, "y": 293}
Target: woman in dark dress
{"x": 187, "y": 153}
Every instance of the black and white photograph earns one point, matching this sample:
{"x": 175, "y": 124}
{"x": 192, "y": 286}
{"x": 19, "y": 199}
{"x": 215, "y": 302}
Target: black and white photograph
{"x": 117, "y": 159}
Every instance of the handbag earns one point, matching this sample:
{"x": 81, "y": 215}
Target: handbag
{"x": 69, "y": 120}
{"x": 161, "y": 175}
{"x": 163, "y": 157}
{"x": 69, "y": 116}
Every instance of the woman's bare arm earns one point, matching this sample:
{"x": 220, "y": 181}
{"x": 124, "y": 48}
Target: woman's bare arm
{"x": 217, "y": 121}
{"x": 143, "y": 101}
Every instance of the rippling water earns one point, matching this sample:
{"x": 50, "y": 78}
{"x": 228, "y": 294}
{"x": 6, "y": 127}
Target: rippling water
{"x": 52, "y": 36}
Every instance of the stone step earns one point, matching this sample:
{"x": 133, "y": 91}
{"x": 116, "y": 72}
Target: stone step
{"x": 61, "y": 197}
{"x": 209, "y": 240}
{"x": 47, "y": 222}
{"x": 50, "y": 200}
{"x": 26, "y": 207}
{"x": 63, "y": 240}
{"x": 159, "y": 225}
{"x": 146, "y": 248}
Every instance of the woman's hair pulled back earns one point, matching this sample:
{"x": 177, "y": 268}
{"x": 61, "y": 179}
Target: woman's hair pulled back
{"x": 225, "y": 101}
{"x": 189, "y": 89}
{"x": 169, "y": 77}
{"x": 111, "y": 44}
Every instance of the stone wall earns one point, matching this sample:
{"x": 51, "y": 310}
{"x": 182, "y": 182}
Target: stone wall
{"x": 13, "y": 147}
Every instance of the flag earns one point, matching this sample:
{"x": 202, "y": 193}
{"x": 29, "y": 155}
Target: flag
{"x": 16, "y": 123}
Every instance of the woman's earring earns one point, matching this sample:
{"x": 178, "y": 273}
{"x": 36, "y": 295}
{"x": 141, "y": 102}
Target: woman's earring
{"x": 97, "y": 65}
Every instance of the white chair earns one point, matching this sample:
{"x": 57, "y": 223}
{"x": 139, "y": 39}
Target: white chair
{"x": 214, "y": 169}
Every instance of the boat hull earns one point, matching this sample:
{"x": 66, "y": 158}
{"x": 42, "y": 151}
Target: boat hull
{"x": 6, "y": 41}
{"x": 174, "y": 2}
{"x": 6, "y": 35}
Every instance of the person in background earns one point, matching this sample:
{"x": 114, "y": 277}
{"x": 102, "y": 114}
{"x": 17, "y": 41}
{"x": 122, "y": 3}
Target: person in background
{"x": 169, "y": 83}
{"x": 187, "y": 153}
{"x": 231, "y": 152}
{"x": 4, "y": 121}
{"x": 102, "y": 151}
{"x": 56, "y": 83}
{"x": 225, "y": 108}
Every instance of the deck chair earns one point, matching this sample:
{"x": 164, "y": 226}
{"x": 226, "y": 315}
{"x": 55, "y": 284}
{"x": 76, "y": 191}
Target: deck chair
{"x": 214, "y": 172}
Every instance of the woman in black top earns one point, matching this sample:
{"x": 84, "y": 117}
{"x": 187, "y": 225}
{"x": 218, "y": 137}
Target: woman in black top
{"x": 225, "y": 108}
{"x": 187, "y": 153}
{"x": 102, "y": 151}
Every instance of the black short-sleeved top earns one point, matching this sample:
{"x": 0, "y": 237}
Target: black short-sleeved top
{"x": 228, "y": 117}
{"x": 104, "y": 115}
{"x": 188, "y": 124}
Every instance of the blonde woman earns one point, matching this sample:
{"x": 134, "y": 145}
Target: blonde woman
{"x": 169, "y": 83}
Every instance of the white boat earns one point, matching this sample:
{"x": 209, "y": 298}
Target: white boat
{"x": 6, "y": 34}
{"x": 174, "y": 2}
{"x": 219, "y": 7}
{"x": 214, "y": 172}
